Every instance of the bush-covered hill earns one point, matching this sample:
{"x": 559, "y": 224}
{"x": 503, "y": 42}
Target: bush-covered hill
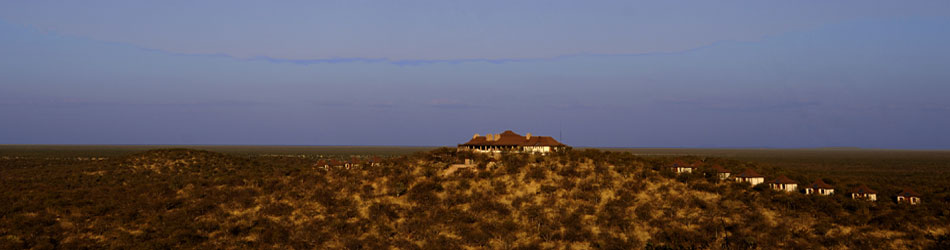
{"x": 578, "y": 199}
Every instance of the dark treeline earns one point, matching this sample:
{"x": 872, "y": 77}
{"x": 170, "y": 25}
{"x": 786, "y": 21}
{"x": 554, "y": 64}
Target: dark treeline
{"x": 177, "y": 198}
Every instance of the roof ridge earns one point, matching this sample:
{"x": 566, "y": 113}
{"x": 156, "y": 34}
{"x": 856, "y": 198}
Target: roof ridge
{"x": 782, "y": 179}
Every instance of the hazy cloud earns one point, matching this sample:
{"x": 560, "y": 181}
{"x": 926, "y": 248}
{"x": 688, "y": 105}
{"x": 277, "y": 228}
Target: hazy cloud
{"x": 737, "y": 104}
{"x": 414, "y": 32}
{"x": 447, "y": 103}
{"x": 79, "y": 102}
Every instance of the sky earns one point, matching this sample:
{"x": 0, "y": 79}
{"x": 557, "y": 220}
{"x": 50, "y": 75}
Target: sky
{"x": 745, "y": 74}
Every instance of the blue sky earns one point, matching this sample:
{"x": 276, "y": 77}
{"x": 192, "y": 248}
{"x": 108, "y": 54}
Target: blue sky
{"x": 624, "y": 74}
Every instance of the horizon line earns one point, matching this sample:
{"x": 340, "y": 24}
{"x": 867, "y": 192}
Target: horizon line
{"x": 844, "y": 148}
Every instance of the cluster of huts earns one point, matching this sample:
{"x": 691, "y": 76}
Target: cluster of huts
{"x": 783, "y": 183}
{"x": 353, "y": 162}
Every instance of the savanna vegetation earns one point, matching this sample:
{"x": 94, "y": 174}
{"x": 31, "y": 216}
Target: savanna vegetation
{"x": 185, "y": 198}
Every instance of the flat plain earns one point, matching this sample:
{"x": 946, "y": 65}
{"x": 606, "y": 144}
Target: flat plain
{"x": 119, "y": 150}
{"x": 918, "y": 169}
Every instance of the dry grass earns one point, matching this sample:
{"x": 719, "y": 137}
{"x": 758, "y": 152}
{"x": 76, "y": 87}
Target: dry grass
{"x": 581, "y": 200}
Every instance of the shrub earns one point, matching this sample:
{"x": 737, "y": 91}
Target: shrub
{"x": 424, "y": 193}
{"x": 536, "y": 173}
{"x": 644, "y": 212}
{"x": 513, "y": 163}
{"x": 942, "y": 242}
{"x": 667, "y": 172}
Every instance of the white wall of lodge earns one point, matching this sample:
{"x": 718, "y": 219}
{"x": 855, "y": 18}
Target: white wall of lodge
{"x": 723, "y": 176}
{"x": 784, "y": 187}
{"x": 912, "y": 200}
{"x": 870, "y": 197}
{"x": 499, "y": 149}
{"x": 680, "y": 170}
{"x": 751, "y": 180}
{"x": 536, "y": 149}
{"x": 821, "y": 191}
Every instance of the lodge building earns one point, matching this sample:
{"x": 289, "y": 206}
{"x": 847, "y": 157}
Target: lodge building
{"x": 783, "y": 183}
{"x": 864, "y": 192}
{"x": 509, "y": 141}
{"x": 908, "y": 196}
{"x": 751, "y": 177}
{"x": 820, "y": 187}
{"x": 680, "y": 167}
{"x": 722, "y": 172}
